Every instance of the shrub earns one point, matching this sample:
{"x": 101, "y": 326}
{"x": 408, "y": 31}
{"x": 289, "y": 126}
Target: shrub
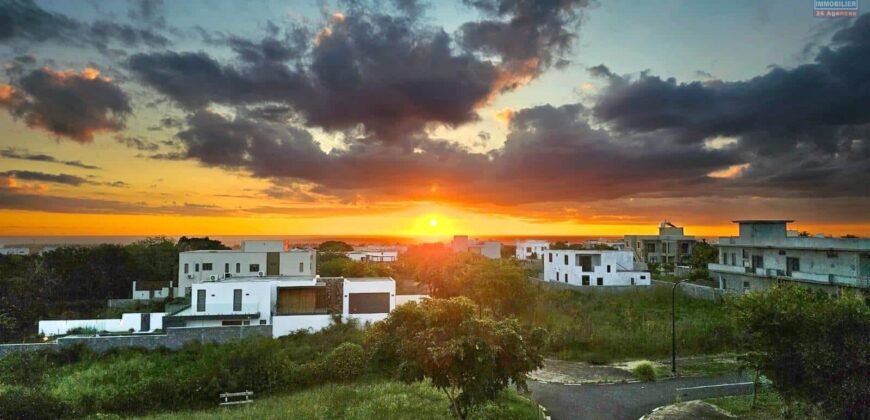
{"x": 346, "y": 362}
{"x": 24, "y": 368}
{"x": 645, "y": 372}
{"x": 18, "y": 402}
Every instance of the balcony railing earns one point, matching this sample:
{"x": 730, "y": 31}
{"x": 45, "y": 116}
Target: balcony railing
{"x": 724, "y": 268}
{"x": 227, "y": 309}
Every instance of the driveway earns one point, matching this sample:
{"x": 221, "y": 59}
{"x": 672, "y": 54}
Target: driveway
{"x": 622, "y": 401}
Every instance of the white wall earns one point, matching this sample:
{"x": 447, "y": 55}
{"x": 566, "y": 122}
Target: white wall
{"x": 14, "y": 251}
{"x": 289, "y": 265}
{"x": 263, "y": 246}
{"x": 124, "y": 324}
{"x": 256, "y": 295}
{"x": 621, "y": 270}
{"x": 287, "y": 324}
{"x": 525, "y": 249}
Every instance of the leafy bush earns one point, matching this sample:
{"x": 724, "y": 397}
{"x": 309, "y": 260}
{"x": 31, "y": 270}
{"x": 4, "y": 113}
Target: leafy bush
{"x": 24, "y": 368}
{"x": 645, "y": 372}
{"x": 346, "y": 362}
{"x": 32, "y": 403}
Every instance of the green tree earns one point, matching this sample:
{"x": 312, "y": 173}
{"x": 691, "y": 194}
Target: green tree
{"x": 813, "y": 348}
{"x": 196, "y": 244}
{"x": 469, "y": 357}
{"x": 334, "y": 246}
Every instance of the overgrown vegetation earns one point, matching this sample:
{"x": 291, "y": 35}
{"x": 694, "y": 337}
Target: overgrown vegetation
{"x": 75, "y": 281}
{"x": 375, "y": 400}
{"x": 813, "y": 348}
{"x": 645, "y": 372}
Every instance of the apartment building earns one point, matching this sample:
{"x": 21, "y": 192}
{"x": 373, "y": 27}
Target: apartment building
{"x": 767, "y": 253}
{"x": 593, "y": 268}
{"x": 489, "y": 249}
{"x": 531, "y": 249}
{"x": 670, "y": 246}
{"x": 254, "y": 258}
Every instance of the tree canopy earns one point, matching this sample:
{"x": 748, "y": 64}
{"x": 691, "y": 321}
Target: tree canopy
{"x": 334, "y": 246}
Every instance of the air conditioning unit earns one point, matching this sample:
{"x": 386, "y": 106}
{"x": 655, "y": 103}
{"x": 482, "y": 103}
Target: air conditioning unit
{"x": 213, "y": 277}
{"x": 261, "y": 274}
{"x": 190, "y": 276}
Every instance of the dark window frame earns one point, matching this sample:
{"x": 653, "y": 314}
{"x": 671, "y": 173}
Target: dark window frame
{"x": 356, "y": 306}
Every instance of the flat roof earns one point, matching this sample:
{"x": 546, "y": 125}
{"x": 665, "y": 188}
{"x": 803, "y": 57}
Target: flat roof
{"x": 239, "y": 251}
{"x": 762, "y": 221}
{"x": 369, "y": 279}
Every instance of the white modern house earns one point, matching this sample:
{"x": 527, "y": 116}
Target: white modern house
{"x": 593, "y": 268}
{"x": 373, "y": 255}
{"x": 287, "y": 303}
{"x": 255, "y": 258}
{"x": 14, "y": 251}
{"x": 489, "y": 249}
{"x": 531, "y": 249}
{"x": 766, "y": 253}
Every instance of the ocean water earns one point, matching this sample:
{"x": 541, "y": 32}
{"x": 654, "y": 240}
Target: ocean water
{"x": 233, "y": 240}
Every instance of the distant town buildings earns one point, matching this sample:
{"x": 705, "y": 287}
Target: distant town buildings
{"x": 593, "y": 268}
{"x": 766, "y": 253}
{"x": 531, "y": 249}
{"x": 601, "y": 243}
{"x": 670, "y": 246}
{"x": 373, "y": 255}
{"x": 254, "y": 259}
{"x": 489, "y": 249}
{"x": 14, "y": 251}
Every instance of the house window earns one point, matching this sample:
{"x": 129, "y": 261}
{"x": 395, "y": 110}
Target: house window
{"x": 254, "y": 268}
{"x": 186, "y": 267}
{"x": 369, "y": 303}
{"x": 301, "y": 267}
{"x": 302, "y": 301}
{"x": 608, "y": 268}
{"x": 643, "y": 277}
{"x": 196, "y": 267}
{"x": 781, "y": 252}
{"x": 227, "y": 268}
{"x": 206, "y": 266}
{"x": 200, "y": 300}
{"x": 632, "y": 281}
{"x": 733, "y": 258}
{"x": 585, "y": 280}
{"x": 745, "y": 286}
{"x": 566, "y": 259}
{"x": 550, "y": 257}
{"x": 237, "y": 300}
{"x": 566, "y": 277}
{"x": 585, "y": 262}
{"x": 600, "y": 281}
{"x": 651, "y": 247}
{"x": 529, "y": 249}
{"x": 238, "y": 267}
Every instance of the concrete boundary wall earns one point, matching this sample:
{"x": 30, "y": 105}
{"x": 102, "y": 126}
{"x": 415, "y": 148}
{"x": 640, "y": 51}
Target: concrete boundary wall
{"x": 173, "y": 339}
{"x": 696, "y": 290}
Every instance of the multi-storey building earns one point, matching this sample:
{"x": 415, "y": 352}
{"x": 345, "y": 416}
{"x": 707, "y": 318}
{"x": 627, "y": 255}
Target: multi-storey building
{"x": 531, "y": 249}
{"x": 670, "y": 246}
{"x": 255, "y": 258}
{"x": 593, "y": 268}
{"x": 766, "y": 253}
{"x": 489, "y": 249}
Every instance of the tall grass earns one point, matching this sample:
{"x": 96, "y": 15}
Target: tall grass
{"x": 601, "y": 327}
{"x": 379, "y": 400}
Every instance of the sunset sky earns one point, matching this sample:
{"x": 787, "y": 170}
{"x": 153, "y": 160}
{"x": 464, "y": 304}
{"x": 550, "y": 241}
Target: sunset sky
{"x": 481, "y": 117}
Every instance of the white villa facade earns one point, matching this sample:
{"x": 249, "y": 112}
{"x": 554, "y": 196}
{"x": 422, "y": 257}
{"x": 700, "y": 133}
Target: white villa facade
{"x": 255, "y": 258}
{"x": 373, "y": 255}
{"x": 593, "y": 268}
{"x": 531, "y": 249}
{"x": 765, "y": 253}
{"x": 288, "y": 303}
{"x": 14, "y": 251}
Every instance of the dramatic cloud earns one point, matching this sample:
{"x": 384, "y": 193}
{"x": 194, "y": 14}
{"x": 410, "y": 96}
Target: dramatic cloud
{"x": 65, "y": 179}
{"x": 390, "y": 75}
{"x": 67, "y": 103}
{"x": 805, "y": 129}
{"x": 137, "y": 143}
{"x": 10, "y": 153}
{"x": 25, "y": 20}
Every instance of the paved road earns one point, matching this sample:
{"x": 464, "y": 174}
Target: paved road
{"x": 621, "y": 401}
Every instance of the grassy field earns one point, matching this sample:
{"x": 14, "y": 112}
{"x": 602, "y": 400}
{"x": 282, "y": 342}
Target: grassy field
{"x": 767, "y": 406}
{"x": 604, "y": 326}
{"x": 381, "y": 400}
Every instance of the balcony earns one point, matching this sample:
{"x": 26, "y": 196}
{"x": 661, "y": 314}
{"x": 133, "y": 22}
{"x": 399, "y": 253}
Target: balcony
{"x": 217, "y": 311}
{"x": 724, "y": 268}
{"x": 811, "y": 277}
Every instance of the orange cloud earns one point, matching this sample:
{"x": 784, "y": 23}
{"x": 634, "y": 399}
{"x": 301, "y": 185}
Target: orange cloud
{"x": 505, "y": 116}
{"x": 6, "y": 92}
{"x": 732, "y": 171}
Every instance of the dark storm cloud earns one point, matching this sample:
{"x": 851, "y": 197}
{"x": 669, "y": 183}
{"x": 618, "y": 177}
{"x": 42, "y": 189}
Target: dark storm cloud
{"x": 547, "y": 152}
{"x": 68, "y": 104}
{"x": 524, "y": 32}
{"x": 10, "y": 153}
{"x": 25, "y": 20}
{"x": 65, "y": 179}
{"x": 804, "y": 128}
{"x": 137, "y": 143}
{"x": 378, "y": 71}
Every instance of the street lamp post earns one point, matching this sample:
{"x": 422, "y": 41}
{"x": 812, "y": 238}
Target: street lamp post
{"x": 674, "y": 328}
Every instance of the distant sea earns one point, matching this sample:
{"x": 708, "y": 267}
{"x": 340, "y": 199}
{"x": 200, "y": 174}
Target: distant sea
{"x": 233, "y": 240}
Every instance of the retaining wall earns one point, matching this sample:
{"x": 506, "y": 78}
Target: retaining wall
{"x": 173, "y": 339}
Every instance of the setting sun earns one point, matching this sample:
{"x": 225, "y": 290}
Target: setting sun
{"x": 433, "y": 222}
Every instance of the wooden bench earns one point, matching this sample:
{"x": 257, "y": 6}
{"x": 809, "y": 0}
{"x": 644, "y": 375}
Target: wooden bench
{"x": 233, "y": 398}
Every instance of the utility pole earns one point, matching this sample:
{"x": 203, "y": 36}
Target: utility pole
{"x": 674, "y": 328}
